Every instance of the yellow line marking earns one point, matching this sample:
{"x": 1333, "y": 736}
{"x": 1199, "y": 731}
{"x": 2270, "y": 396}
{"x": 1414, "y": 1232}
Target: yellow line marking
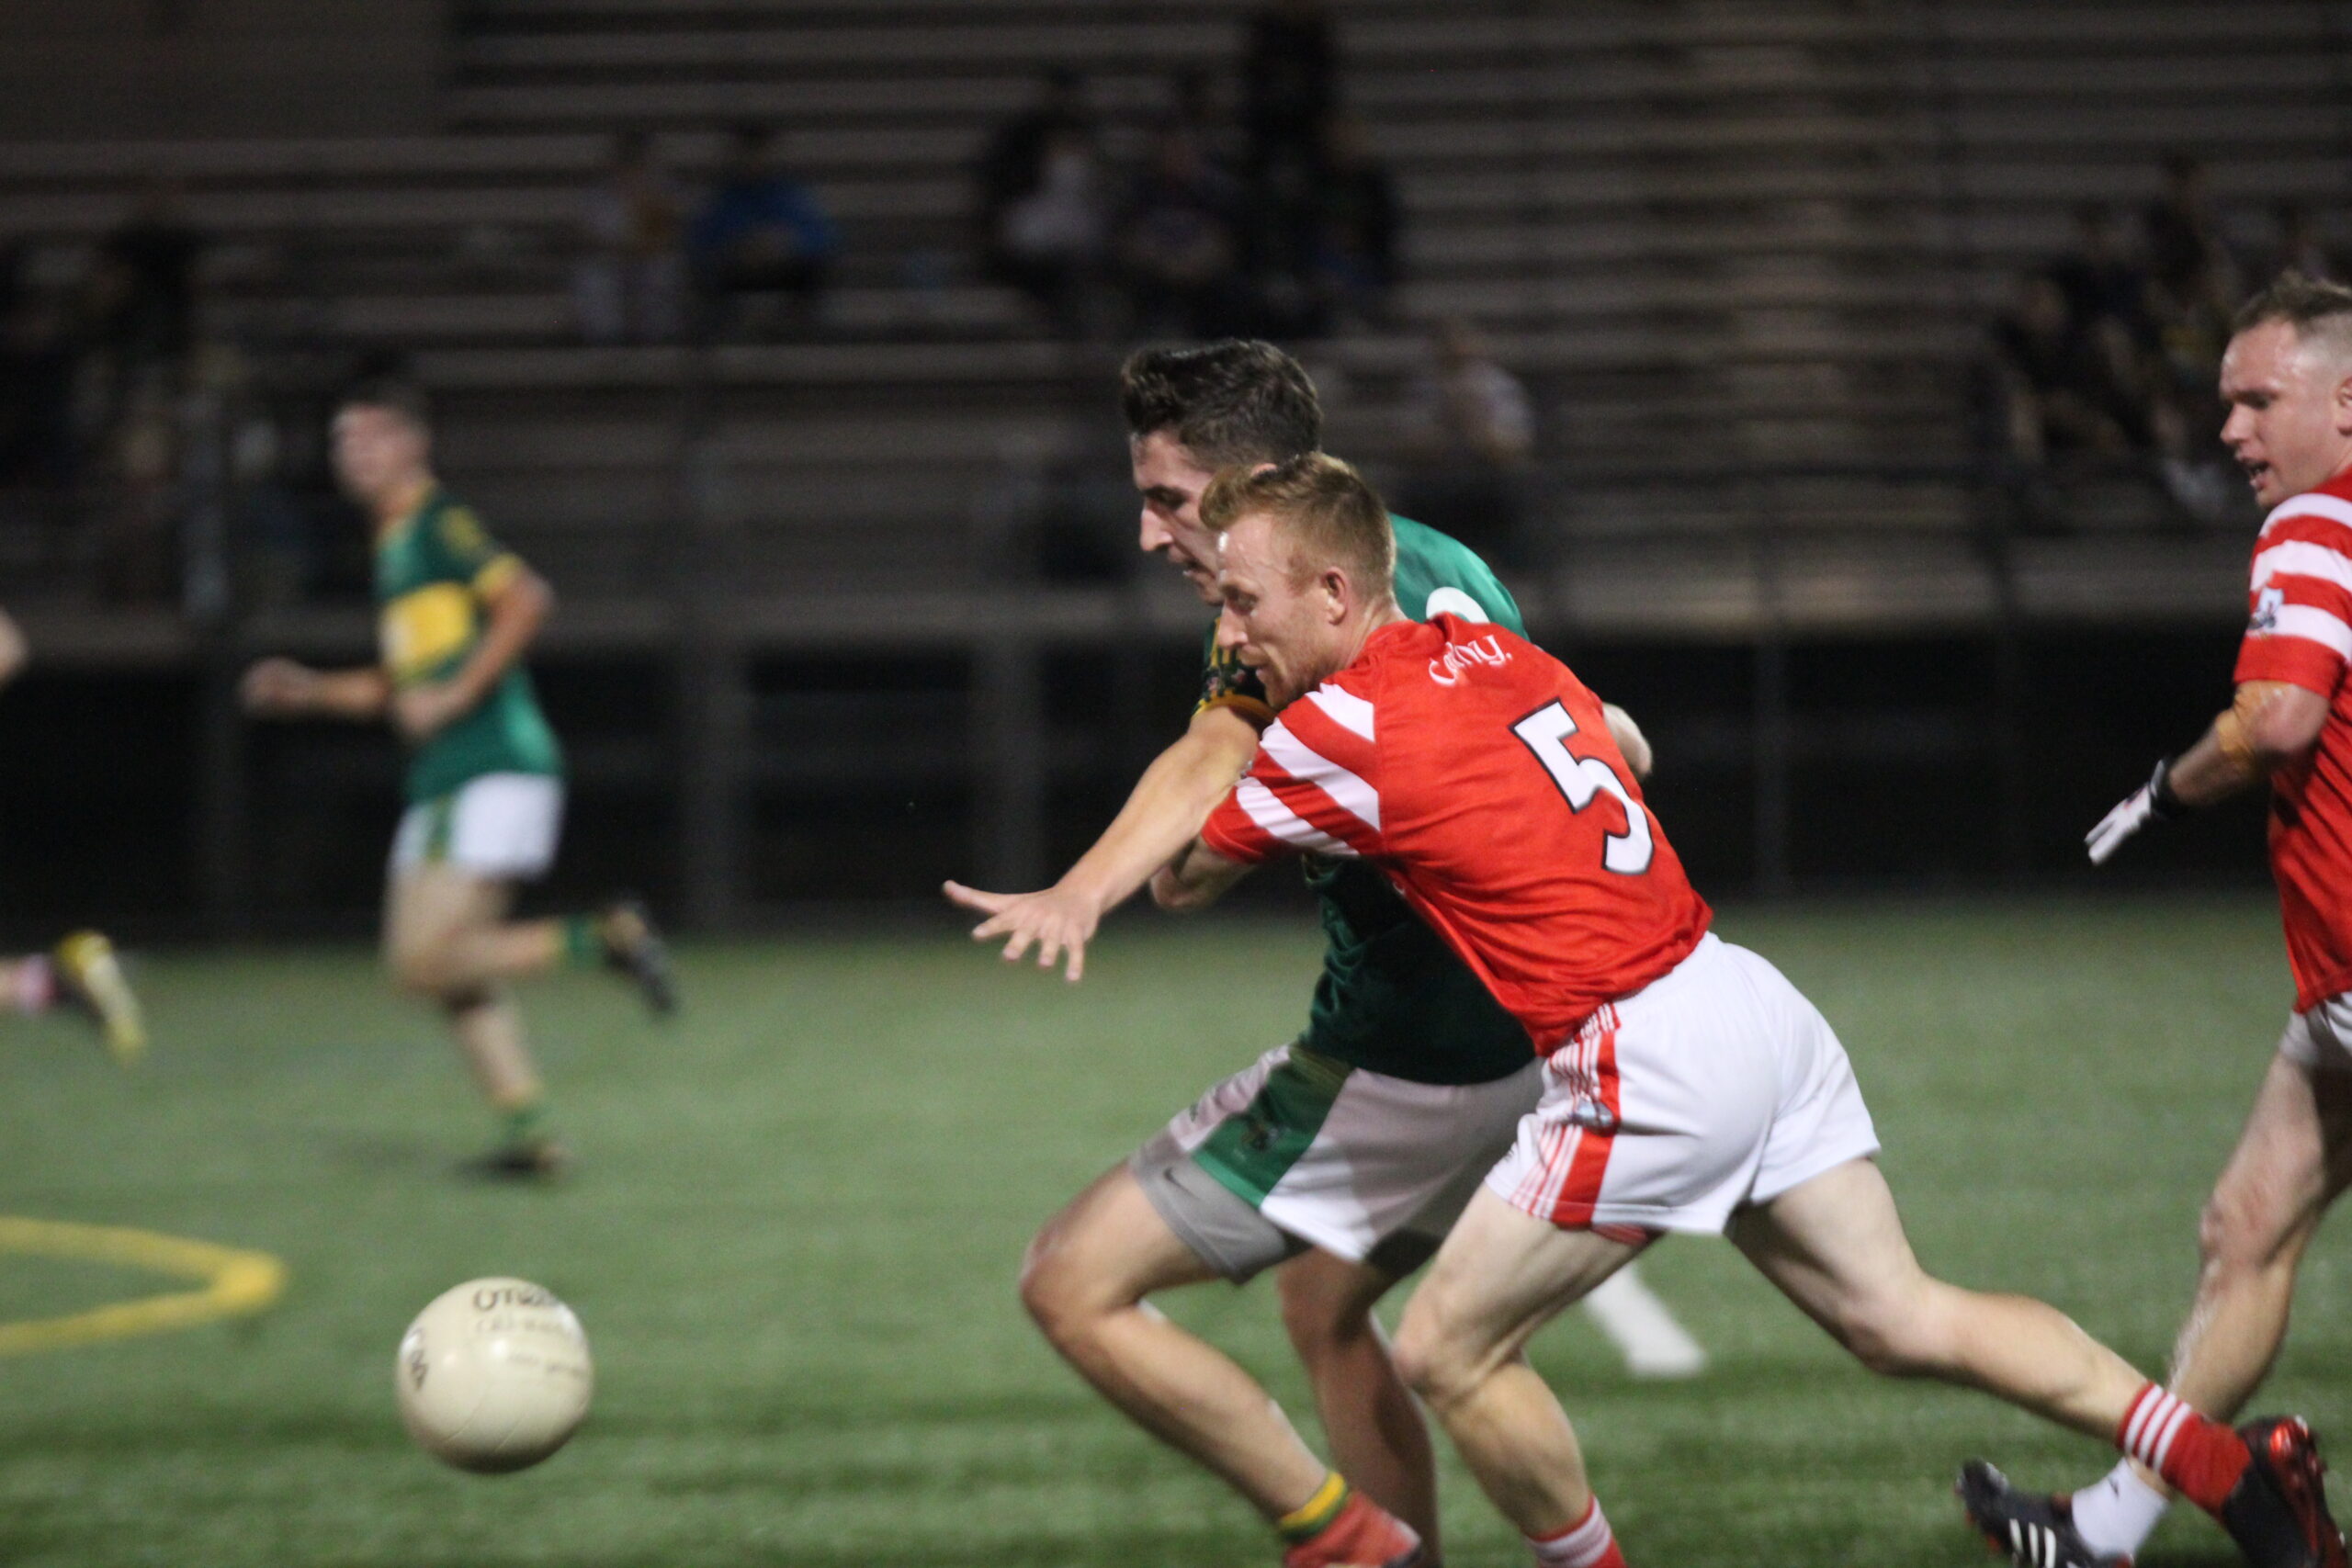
{"x": 234, "y": 1282}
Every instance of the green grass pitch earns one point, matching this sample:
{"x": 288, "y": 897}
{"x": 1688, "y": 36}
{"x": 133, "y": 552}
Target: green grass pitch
{"x": 795, "y": 1228}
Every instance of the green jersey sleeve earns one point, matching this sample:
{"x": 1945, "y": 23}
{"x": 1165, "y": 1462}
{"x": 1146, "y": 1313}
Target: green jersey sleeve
{"x": 466, "y": 553}
{"x": 1436, "y": 572}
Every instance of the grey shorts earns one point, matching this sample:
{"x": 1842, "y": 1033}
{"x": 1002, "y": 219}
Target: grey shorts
{"x": 1235, "y": 1239}
{"x": 1298, "y": 1150}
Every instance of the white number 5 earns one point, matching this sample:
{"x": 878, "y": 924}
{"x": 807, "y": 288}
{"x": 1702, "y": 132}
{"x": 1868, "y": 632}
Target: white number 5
{"x": 1545, "y": 732}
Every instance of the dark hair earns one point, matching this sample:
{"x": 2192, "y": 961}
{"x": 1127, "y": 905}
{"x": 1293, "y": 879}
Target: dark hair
{"x": 400, "y": 396}
{"x": 1236, "y": 402}
{"x": 2301, "y": 302}
{"x": 1329, "y": 513}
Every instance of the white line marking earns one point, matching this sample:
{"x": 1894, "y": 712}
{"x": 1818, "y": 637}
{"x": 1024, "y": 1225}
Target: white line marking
{"x": 1644, "y": 1329}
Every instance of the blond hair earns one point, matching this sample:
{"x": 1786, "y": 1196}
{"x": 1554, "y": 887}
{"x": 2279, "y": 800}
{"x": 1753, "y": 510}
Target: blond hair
{"x": 1325, "y": 510}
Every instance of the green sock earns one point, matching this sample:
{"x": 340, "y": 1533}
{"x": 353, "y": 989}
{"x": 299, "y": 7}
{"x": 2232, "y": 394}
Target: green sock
{"x": 525, "y": 1125}
{"x": 583, "y": 940}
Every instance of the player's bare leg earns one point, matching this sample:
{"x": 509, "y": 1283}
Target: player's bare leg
{"x": 1836, "y": 1247}
{"x": 488, "y": 1028}
{"x": 1085, "y": 1281}
{"x": 1501, "y": 1275}
{"x": 447, "y": 932}
{"x": 1379, "y": 1440}
{"x": 81, "y": 971}
{"x": 439, "y": 922}
{"x": 2292, "y": 1160}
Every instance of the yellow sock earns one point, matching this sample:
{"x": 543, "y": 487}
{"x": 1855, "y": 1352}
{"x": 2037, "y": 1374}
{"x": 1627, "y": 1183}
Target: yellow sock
{"x": 1306, "y": 1521}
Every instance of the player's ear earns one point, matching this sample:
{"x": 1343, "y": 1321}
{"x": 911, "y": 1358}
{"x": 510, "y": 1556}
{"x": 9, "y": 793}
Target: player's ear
{"x": 1338, "y": 594}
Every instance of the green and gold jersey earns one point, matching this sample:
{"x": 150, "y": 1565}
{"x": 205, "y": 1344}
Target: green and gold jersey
{"x": 436, "y": 569}
{"x": 1392, "y": 999}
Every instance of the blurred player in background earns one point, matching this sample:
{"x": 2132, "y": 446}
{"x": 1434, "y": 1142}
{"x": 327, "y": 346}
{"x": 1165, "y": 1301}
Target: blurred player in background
{"x": 1687, "y": 1086}
{"x": 81, "y": 970}
{"x": 484, "y": 788}
{"x": 1343, "y": 1156}
{"x": 2287, "y": 382}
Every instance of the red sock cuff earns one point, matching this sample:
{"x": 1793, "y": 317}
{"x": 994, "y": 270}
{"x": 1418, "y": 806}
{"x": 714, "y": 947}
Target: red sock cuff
{"x": 1588, "y": 1543}
{"x": 2199, "y": 1458}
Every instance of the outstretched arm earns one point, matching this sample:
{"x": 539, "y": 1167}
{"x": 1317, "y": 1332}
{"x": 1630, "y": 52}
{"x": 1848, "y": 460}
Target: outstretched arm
{"x": 279, "y": 688}
{"x": 1161, "y": 815}
{"x": 2271, "y": 725}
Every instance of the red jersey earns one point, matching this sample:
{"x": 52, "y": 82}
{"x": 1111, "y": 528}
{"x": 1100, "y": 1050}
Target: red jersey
{"x": 1478, "y": 772}
{"x": 2300, "y": 632}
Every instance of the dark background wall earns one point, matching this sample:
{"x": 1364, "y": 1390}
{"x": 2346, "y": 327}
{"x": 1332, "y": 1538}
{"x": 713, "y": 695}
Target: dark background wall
{"x": 139, "y": 69}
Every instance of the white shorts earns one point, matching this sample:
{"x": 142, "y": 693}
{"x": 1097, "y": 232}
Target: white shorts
{"x": 1297, "y": 1145}
{"x": 2319, "y": 1038}
{"x": 1715, "y": 1088}
{"x": 500, "y": 825}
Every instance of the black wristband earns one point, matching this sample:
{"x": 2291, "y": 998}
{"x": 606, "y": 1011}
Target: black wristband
{"x": 2160, "y": 792}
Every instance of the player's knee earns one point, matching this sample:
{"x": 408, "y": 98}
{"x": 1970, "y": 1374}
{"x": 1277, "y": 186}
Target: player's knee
{"x": 418, "y": 969}
{"x": 1894, "y": 1334}
{"x": 2246, "y": 1225}
{"x": 1054, "y": 1293}
{"x": 435, "y": 970}
{"x": 1889, "y": 1348}
{"x": 1435, "y": 1362}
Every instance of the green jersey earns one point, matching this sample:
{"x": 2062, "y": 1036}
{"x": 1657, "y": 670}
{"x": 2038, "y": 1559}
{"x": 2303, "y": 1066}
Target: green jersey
{"x": 1392, "y": 999}
{"x": 435, "y": 571}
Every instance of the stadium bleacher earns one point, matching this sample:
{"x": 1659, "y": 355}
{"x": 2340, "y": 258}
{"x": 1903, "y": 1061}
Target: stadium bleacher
{"x": 1741, "y": 254}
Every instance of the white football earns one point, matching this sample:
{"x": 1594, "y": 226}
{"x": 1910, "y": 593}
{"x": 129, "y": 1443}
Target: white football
{"x": 493, "y": 1375}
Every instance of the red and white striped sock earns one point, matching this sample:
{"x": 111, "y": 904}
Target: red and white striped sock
{"x": 1587, "y": 1543}
{"x": 2199, "y": 1458}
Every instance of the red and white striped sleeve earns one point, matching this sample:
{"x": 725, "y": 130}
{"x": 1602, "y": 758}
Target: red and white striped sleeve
{"x": 2300, "y": 625}
{"x": 1313, "y": 789}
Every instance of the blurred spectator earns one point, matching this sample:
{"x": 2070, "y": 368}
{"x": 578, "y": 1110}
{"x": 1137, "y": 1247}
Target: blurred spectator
{"x": 1356, "y": 220}
{"x": 1470, "y": 434}
{"x": 2062, "y": 385}
{"x": 143, "y": 291}
{"x": 2191, "y": 464}
{"x": 37, "y": 356}
{"x": 762, "y": 233}
{"x": 1051, "y": 243}
{"x": 1012, "y": 165}
{"x": 2186, "y": 251}
{"x": 2100, "y": 279}
{"x": 2300, "y": 247}
{"x": 1281, "y": 206}
{"x": 2193, "y": 287}
{"x": 1179, "y": 246}
{"x": 1193, "y": 100}
{"x": 630, "y": 284}
{"x": 140, "y": 509}
{"x": 1290, "y": 78}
